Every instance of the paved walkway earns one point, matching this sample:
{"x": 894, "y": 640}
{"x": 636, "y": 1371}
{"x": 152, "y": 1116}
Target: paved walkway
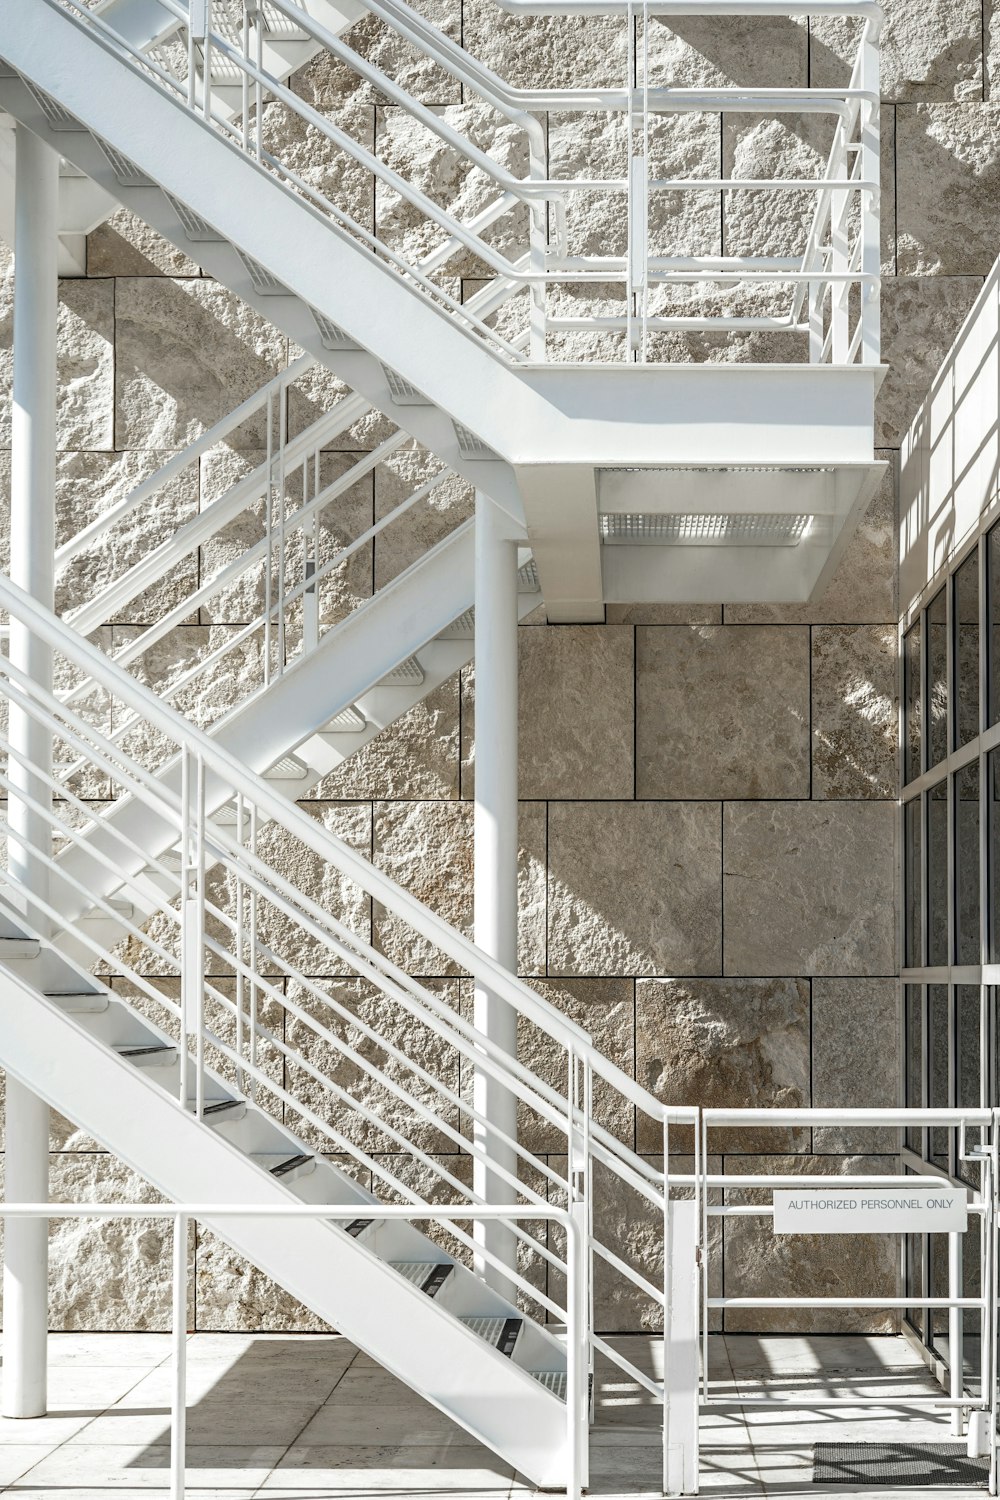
{"x": 309, "y": 1416}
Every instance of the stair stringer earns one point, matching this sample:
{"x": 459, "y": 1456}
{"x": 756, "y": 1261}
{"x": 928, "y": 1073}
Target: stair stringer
{"x": 348, "y": 662}
{"x": 496, "y": 1401}
{"x": 323, "y": 267}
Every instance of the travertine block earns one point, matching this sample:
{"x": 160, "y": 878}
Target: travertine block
{"x": 948, "y": 177}
{"x": 768, "y": 223}
{"x": 663, "y": 614}
{"x": 90, "y": 484}
{"x": 760, "y": 1263}
{"x": 863, "y": 586}
{"x": 86, "y": 362}
{"x": 706, "y": 724}
{"x": 413, "y": 534}
{"x": 329, "y": 83}
{"x": 188, "y": 352}
{"x": 724, "y": 1044}
{"x": 855, "y": 1057}
{"x": 109, "y": 1274}
{"x": 575, "y": 713}
{"x": 547, "y": 51}
{"x": 349, "y": 1010}
{"x": 124, "y": 246}
{"x": 809, "y": 888}
{"x": 930, "y": 51}
{"x": 605, "y": 1008}
{"x": 414, "y": 758}
{"x": 427, "y": 847}
{"x": 703, "y": 51}
{"x": 328, "y": 168}
{"x": 342, "y": 520}
{"x": 854, "y": 711}
{"x": 920, "y": 318}
{"x": 634, "y": 888}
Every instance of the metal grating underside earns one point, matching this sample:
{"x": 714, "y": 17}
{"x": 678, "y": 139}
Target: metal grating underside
{"x": 472, "y": 446}
{"x": 461, "y": 629}
{"x": 195, "y": 228}
{"x": 709, "y": 530}
{"x": 58, "y": 118}
{"x": 402, "y": 391}
{"x": 127, "y": 173}
{"x": 261, "y": 277}
{"x": 416, "y": 1271}
{"x": 332, "y": 336}
{"x": 288, "y": 768}
{"x": 348, "y": 721}
{"x": 409, "y": 670}
{"x": 527, "y": 577}
{"x": 488, "y": 1329}
{"x": 553, "y": 1380}
{"x": 934, "y": 1465}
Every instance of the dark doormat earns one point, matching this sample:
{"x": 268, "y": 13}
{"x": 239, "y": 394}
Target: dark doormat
{"x": 941, "y": 1465}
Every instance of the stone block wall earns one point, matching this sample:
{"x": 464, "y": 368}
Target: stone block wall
{"x": 707, "y": 819}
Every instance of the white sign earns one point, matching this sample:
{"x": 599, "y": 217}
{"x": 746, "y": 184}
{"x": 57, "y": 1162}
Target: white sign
{"x": 845, "y": 1210}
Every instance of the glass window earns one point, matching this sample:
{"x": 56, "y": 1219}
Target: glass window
{"x": 912, "y": 696}
{"x": 938, "y": 1066}
{"x": 966, "y": 605}
{"x": 913, "y": 874}
{"x": 967, "y": 949}
{"x": 993, "y": 575}
{"x": 937, "y": 678}
{"x": 937, "y": 875}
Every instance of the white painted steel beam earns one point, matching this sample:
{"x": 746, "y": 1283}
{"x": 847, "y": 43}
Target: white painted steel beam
{"x": 495, "y": 853}
{"x": 32, "y": 566}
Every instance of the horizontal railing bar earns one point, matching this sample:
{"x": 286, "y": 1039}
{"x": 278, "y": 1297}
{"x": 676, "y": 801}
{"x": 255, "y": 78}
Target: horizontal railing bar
{"x": 818, "y": 1180}
{"x": 819, "y": 1116}
{"x": 807, "y": 1402}
{"x": 819, "y": 1302}
{"x": 765, "y": 1210}
{"x": 748, "y": 184}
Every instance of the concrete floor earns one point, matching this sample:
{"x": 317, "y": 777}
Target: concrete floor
{"x": 309, "y": 1416}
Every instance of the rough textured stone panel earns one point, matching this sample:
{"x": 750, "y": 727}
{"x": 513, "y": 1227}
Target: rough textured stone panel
{"x": 948, "y": 178}
{"x": 188, "y": 352}
{"x": 920, "y": 318}
{"x": 863, "y": 586}
{"x": 124, "y": 246}
{"x": 855, "y": 1057}
{"x": 416, "y": 757}
{"x": 724, "y": 1044}
{"x": 760, "y": 1263}
{"x": 854, "y": 711}
{"x": 426, "y": 523}
{"x": 722, "y": 712}
{"x": 663, "y": 614}
{"x": 86, "y": 362}
{"x": 809, "y": 888}
{"x": 427, "y": 847}
{"x": 575, "y": 713}
{"x": 547, "y": 51}
{"x": 930, "y": 51}
{"x": 633, "y": 888}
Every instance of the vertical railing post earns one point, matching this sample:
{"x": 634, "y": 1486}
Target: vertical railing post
{"x": 680, "y": 1337}
{"x": 32, "y": 566}
{"x": 178, "y": 1405}
{"x": 871, "y": 253}
{"x": 192, "y": 920}
{"x": 495, "y": 849}
{"x": 840, "y": 257}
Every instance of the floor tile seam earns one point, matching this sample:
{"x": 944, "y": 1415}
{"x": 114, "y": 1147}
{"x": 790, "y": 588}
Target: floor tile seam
{"x": 290, "y": 1445}
{"x": 67, "y": 1440}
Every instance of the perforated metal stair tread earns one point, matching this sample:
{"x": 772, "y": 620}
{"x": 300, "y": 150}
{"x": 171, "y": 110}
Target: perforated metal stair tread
{"x": 357, "y": 1227}
{"x": 291, "y": 1164}
{"x": 501, "y": 1333}
{"x": 222, "y": 1106}
{"x": 555, "y": 1381}
{"x": 429, "y": 1276}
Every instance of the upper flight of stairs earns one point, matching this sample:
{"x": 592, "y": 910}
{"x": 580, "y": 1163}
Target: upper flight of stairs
{"x": 554, "y": 444}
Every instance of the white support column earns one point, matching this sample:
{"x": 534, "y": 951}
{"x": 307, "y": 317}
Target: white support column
{"x": 495, "y": 882}
{"x": 32, "y": 544}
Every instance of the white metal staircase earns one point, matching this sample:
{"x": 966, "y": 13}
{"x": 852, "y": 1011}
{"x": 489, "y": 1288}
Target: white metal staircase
{"x": 703, "y": 481}
{"x": 180, "y": 1080}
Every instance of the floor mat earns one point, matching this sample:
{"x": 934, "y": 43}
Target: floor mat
{"x": 941, "y": 1465}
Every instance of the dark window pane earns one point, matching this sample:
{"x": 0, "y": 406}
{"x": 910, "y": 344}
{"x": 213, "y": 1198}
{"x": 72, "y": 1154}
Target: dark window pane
{"x": 967, "y": 948}
{"x": 993, "y": 809}
{"x": 938, "y": 1065}
{"x": 937, "y": 678}
{"x": 913, "y": 1016}
{"x": 937, "y": 875}
{"x": 966, "y": 597}
{"x": 993, "y": 571}
{"x": 968, "y": 1004}
{"x": 912, "y": 702}
{"x": 914, "y": 884}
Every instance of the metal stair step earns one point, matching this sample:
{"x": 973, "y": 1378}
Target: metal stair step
{"x": 429, "y": 1276}
{"x": 152, "y": 1056}
{"x": 500, "y": 1333}
{"x": 555, "y": 1381}
{"x": 230, "y": 1108}
{"x": 86, "y": 1003}
{"x": 287, "y": 1168}
{"x": 15, "y": 948}
{"x": 357, "y": 1227}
